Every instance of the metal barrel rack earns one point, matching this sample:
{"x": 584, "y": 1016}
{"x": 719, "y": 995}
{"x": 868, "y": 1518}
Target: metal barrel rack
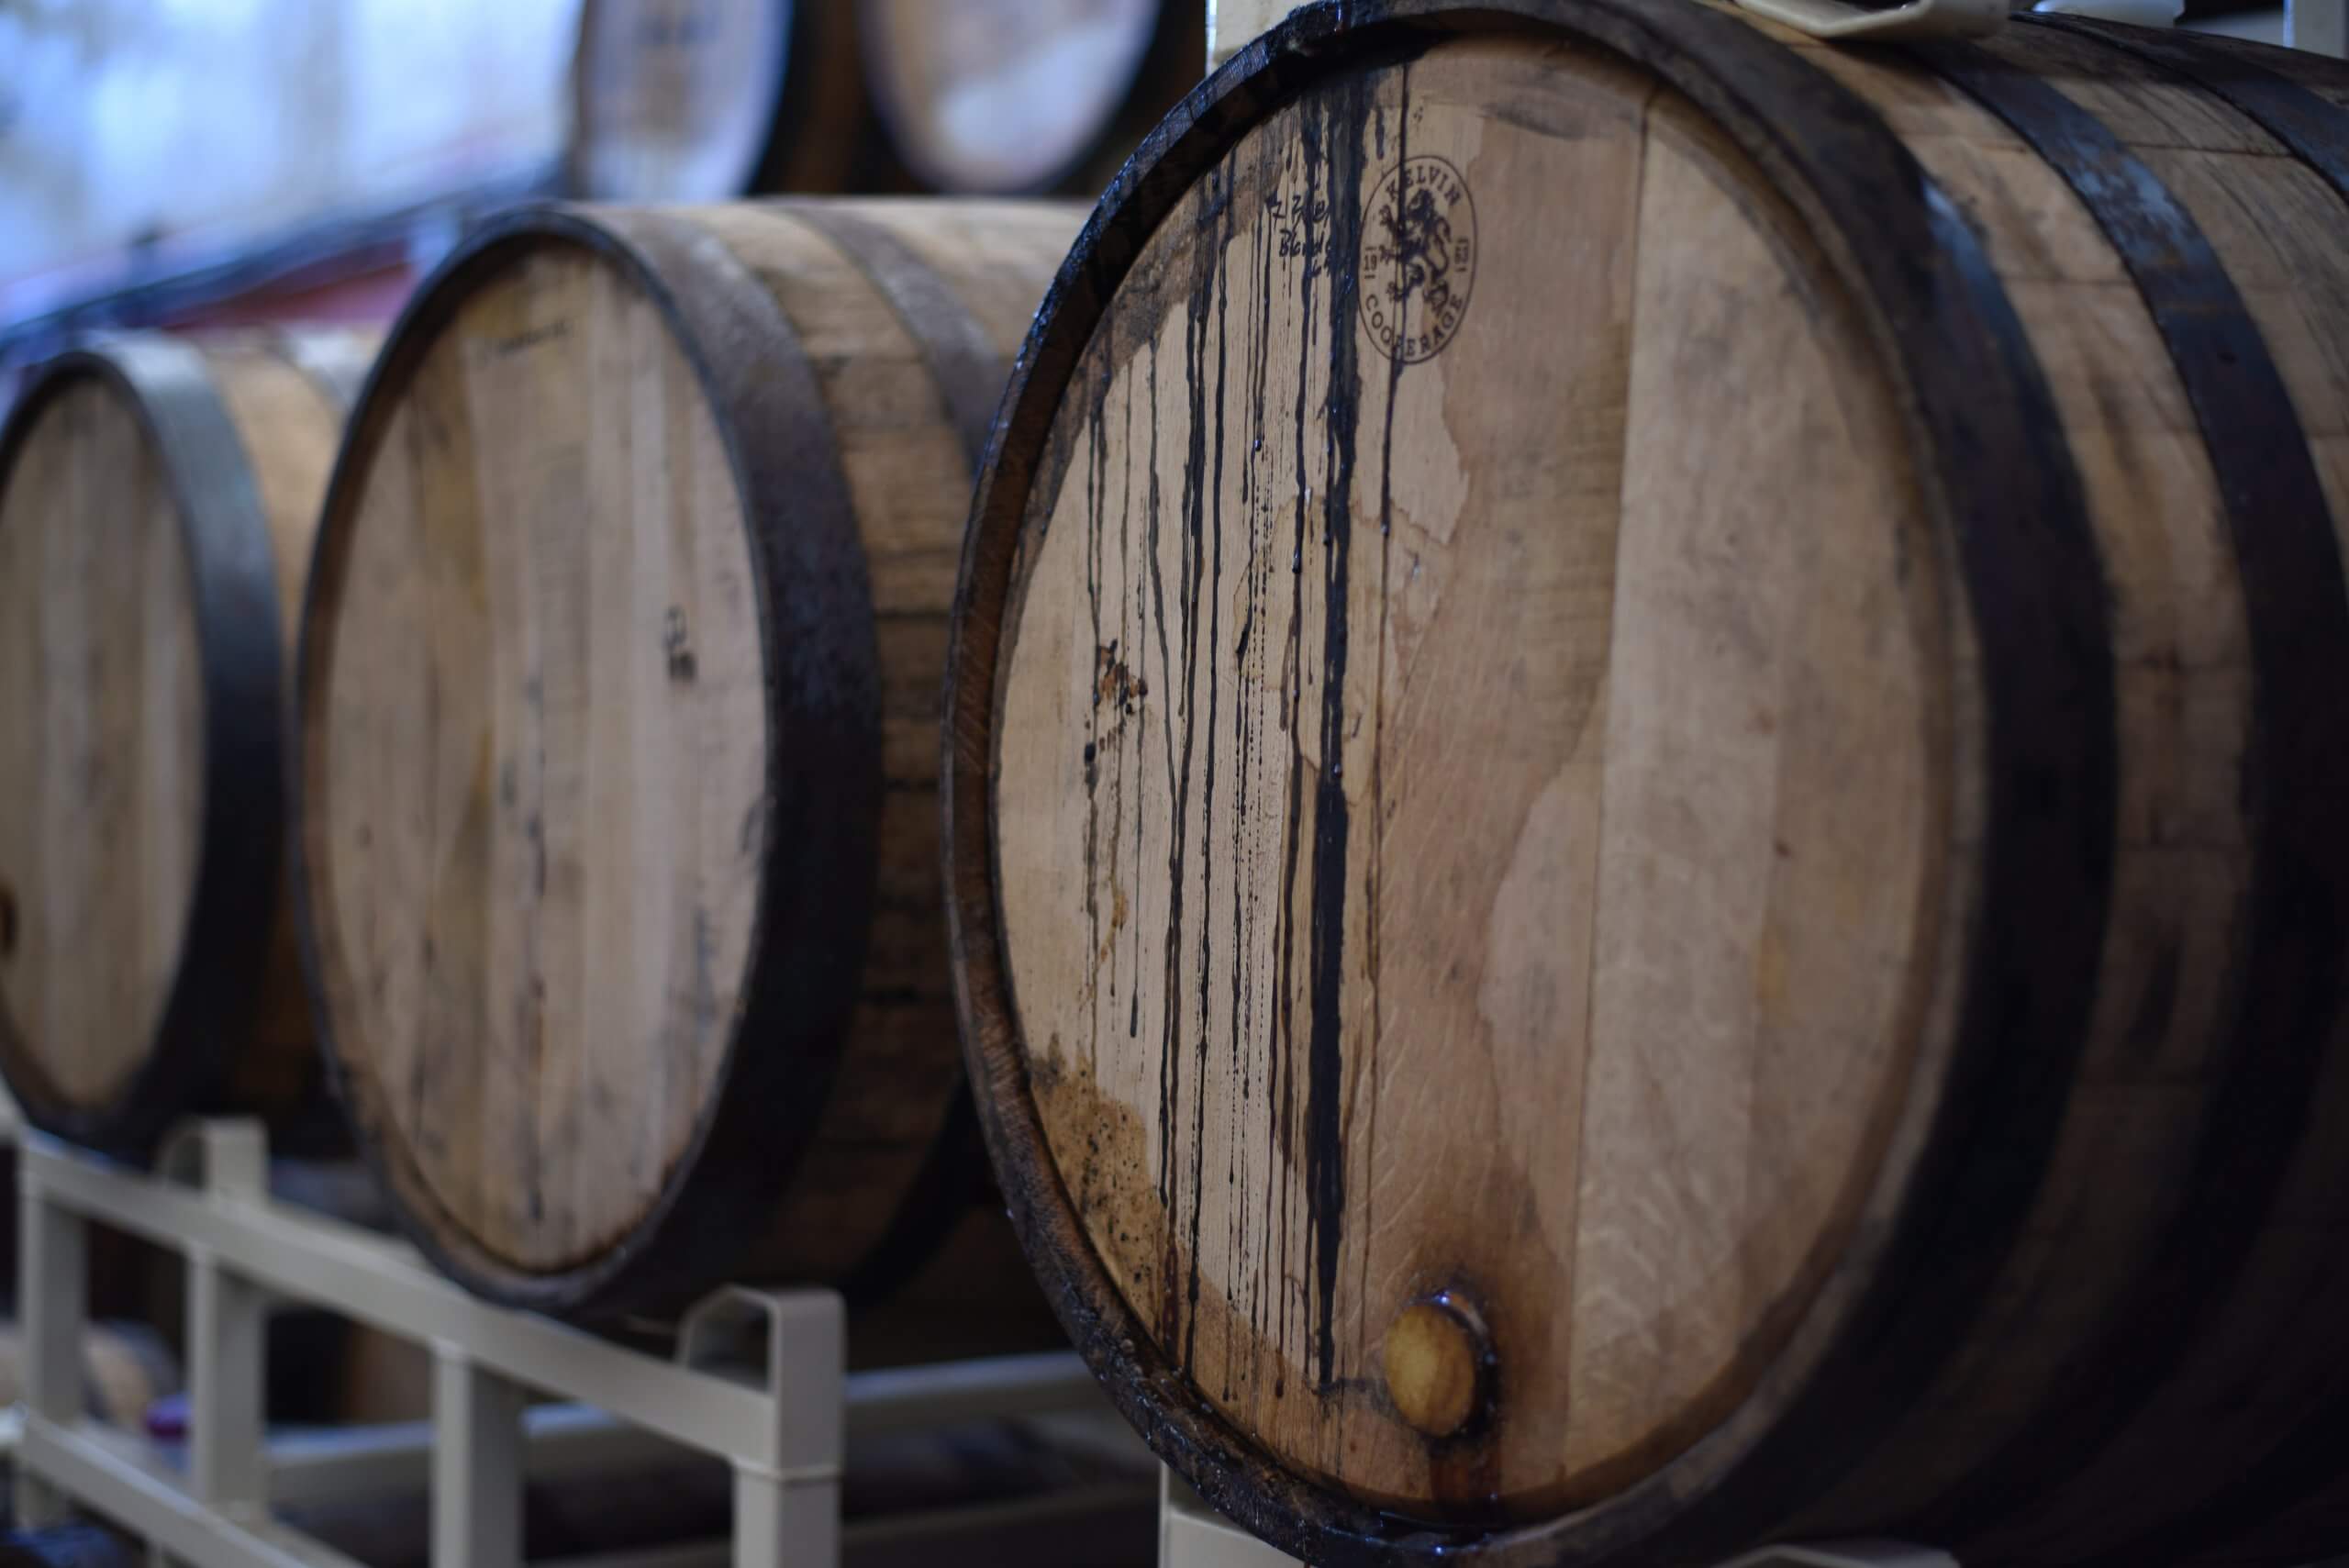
{"x": 759, "y": 1380}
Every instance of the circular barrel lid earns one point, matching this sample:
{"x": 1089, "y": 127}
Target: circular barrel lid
{"x": 585, "y": 760}
{"x": 141, "y": 670}
{"x": 1005, "y": 96}
{"x": 1461, "y": 748}
{"x": 101, "y": 741}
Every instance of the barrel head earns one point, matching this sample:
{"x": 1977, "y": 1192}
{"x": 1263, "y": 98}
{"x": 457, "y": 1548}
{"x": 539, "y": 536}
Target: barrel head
{"x": 101, "y": 743}
{"x": 1470, "y": 779}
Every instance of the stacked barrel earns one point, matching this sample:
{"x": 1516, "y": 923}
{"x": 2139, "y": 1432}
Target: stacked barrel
{"x": 157, "y": 500}
{"x": 617, "y": 742}
{"x": 1636, "y": 839}
{"x": 700, "y": 100}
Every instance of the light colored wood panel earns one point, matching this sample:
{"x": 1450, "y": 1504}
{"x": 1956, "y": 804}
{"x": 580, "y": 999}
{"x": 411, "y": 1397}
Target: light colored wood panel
{"x": 1772, "y": 806}
{"x": 103, "y": 766}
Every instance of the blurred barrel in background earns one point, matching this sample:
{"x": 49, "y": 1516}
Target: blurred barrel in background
{"x": 1646, "y": 776}
{"x": 618, "y": 720}
{"x": 1010, "y": 96}
{"x": 158, "y": 497}
{"x": 701, "y": 100}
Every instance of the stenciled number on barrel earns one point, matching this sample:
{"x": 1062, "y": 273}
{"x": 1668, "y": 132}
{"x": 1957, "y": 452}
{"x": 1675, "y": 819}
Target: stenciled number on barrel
{"x": 1418, "y": 259}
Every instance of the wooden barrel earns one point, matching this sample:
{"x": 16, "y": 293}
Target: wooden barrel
{"x": 1008, "y": 96}
{"x": 701, "y": 100}
{"x": 1646, "y": 783}
{"x": 157, "y": 498}
{"x": 617, "y": 706}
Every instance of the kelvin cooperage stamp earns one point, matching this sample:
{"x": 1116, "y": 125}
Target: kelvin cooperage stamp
{"x": 1418, "y": 259}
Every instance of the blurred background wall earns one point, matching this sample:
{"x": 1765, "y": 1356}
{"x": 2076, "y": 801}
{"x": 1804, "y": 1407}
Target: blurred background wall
{"x": 179, "y": 162}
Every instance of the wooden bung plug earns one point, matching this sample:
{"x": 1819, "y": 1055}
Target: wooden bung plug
{"x": 1435, "y": 1360}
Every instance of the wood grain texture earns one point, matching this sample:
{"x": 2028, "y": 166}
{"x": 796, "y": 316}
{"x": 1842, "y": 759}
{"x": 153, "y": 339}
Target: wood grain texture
{"x": 2255, "y": 755}
{"x": 298, "y": 388}
{"x": 547, "y": 700}
{"x": 2298, "y": 1492}
{"x": 1541, "y": 779}
{"x": 115, "y": 662}
{"x": 1502, "y": 715}
{"x": 546, "y": 844}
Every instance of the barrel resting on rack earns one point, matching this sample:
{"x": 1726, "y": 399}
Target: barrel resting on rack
{"x": 156, "y": 499}
{"x": 617, "y": 815}
{"x": 1644, "y": 787}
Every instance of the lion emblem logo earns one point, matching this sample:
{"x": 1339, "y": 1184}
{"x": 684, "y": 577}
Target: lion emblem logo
{"x": 1418, "y": 259}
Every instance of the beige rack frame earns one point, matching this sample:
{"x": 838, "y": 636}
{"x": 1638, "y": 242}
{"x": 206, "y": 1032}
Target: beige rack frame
{"x": 759, "y": 1381}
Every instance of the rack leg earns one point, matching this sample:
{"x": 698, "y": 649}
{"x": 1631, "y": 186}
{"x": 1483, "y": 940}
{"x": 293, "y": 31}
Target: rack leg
{"x": 2321, "y": 25}
{"x": 785, "y": 1522}
{"x": 226, "y": 1322}
{"x": 1191, "y": 1536}
{"x": 476, "y": 1465}
{"x": 226, "y": 1327}
{"x": 788, "y": 1512}
{"x": 54, "y": 1283}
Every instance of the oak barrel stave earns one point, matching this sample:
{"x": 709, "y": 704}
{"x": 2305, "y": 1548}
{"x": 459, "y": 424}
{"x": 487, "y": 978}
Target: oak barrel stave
{"x": 1949, "y": 1136}
{"x": 151, "y": 972}
{"x": 628, "y": 624}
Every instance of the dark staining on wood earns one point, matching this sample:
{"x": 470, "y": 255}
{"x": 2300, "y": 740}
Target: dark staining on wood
{"x": 1209, "y": 291}
{"x": 522, "y": 343}
{"x": 677, "y": 646}
{"x": 1177, "y": 626}
{"x": 1341, "y": 144}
